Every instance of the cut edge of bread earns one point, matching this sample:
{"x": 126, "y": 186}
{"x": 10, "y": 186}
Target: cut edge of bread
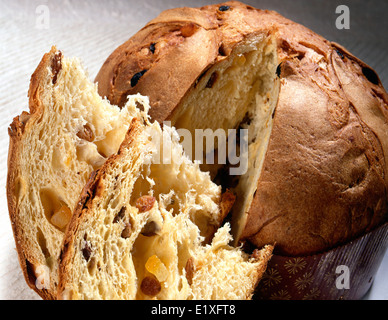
{"x": 68, "y": 132}
{"x": 238, "y": 92}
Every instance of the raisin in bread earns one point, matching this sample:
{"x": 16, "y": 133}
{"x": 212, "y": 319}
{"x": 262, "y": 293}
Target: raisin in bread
{"x": 141, "y": 229}
{"x": 316, "y": 116}
{"x": 67, "y": 134}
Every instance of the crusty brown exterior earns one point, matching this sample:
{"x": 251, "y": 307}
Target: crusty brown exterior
{"x": 175, "y": 49}
{"x": 325, "y": 175}
{"x": 16, "y": 132}
{"x": 324, "y": 184}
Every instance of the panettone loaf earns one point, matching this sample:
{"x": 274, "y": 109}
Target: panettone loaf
{"x": 160, "y": 199}
{"x": 139, "y": 230}
{"x": 317, "y": 117}
{"x": 68, "y": 133}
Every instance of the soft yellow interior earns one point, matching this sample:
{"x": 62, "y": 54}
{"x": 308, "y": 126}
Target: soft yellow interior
{"x": 239, "y": 92}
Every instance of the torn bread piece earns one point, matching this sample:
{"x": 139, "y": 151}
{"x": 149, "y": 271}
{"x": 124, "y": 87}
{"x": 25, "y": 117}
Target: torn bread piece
{"x": 68, "y": 133}
{"x": 141, "y": 230}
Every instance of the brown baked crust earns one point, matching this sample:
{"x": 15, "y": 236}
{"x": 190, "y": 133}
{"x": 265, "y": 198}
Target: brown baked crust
{"x": 187, "y": 42}
{"x": 325, "y": 174}
{"x": 16, "y": 132}
{"x": 324, "y": 184}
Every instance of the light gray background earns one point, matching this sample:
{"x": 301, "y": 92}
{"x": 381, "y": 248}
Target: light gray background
{"x": 91, "y": 30}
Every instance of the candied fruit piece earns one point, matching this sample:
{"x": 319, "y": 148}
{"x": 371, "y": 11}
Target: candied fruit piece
{"x": 155, "y": 266}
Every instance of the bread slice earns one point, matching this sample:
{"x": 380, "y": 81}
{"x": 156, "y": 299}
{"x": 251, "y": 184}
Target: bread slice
{"x": 239, "y": 92}
{"x": 139, "y": 230}
{"x": 68, "y": 133}
{"x": 316, "y": 117}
